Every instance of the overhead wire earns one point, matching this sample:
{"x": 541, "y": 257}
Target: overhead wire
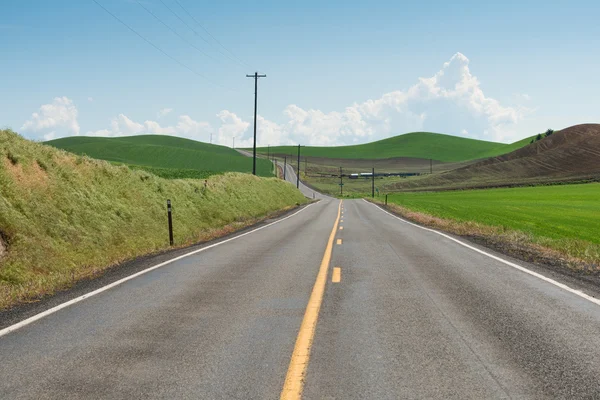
{"x": 174, "y": 31}
{"x": 196, "y": 32}
{"x": 161, "y": 50}
{"x": 237, "y": 59}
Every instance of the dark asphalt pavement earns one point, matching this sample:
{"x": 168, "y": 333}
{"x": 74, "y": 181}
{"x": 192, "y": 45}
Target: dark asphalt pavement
{"x": 415, "y": 315}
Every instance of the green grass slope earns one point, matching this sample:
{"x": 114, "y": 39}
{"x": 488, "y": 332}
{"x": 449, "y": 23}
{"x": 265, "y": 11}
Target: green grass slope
{"x": 65, "y": 217}
{"x": 564, "y": 218}
{"x": 426, "y": 145}
{"x": 162, "y": 153}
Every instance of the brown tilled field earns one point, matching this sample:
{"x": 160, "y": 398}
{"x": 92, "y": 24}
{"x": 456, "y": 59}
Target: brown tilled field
{"x": 572, "y": 154}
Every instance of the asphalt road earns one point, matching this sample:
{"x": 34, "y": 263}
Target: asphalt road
{"x": 414, "y": 315}
{"x": 290, "y": 176}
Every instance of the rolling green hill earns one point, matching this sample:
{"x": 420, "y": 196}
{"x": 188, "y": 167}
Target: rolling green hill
{"x": 166, "y": 156}
{"x": 424, "y": 145}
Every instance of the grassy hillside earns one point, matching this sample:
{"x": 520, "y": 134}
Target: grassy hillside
{"x": 566, "y": 156}
{"x": 162, "y": 153}
{"x": 564, "y": 218}
{"x": 423, "y": 145}
{"x": 64, "y": 217}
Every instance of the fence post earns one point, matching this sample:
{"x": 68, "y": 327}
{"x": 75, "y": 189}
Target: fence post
{"x": 170, "y": 222}
{"x": 386, "y": 199}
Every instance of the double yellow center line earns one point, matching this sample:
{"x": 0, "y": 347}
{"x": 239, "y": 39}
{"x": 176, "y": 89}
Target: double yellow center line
{"x": 294, "y": 380}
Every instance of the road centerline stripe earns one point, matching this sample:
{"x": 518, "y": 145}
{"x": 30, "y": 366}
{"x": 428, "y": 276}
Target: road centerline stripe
{"x": 339, "y": 241}
{"x": 294, "y": 380}
{"x": 337, "y": 275}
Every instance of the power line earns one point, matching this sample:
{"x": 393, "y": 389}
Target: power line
{"x": 237, "y": 59}
{"x": 174, "y": 31}
{"x": 195, "y": 32}
{"x": 159, "y": 49}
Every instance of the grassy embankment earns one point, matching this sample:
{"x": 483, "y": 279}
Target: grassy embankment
{"x": 563, "y": 219}
{"x": 165, "y": 156}
{"x": 65, "y": 217}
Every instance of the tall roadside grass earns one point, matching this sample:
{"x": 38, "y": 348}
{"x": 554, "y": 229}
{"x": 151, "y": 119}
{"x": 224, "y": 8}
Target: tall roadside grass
{"x": 65, "y": 217}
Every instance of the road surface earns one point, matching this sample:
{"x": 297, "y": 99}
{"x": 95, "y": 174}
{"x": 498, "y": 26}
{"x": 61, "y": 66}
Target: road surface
{"x": 291, "y": 177}
{"x": 333, "y": 302}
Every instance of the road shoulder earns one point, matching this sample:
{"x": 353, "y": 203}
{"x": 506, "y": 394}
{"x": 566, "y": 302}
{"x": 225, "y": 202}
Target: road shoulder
{"x": 587, "y": 281}
{"x": 112, "y": 274}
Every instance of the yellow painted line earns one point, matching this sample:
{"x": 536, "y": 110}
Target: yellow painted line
{"x": 339, "y": 241}
{"x": 337, "y": 275}
{"x": 294, "y": 380}
{"x": 341, "y": 228}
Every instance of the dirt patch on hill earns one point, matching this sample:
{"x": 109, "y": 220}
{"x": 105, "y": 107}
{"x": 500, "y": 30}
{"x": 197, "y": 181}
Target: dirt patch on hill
{"x": 30, "y": 176}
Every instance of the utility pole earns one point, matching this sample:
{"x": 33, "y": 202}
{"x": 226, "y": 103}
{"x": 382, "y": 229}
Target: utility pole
{"x": 341, "y": 183}
{"x": 268, "y": 155}
{"x": 373, "y": 183}
{"x": 255, "y": 76}
{"x": 284, "y": 166}
{"x": 298, "y": 174}
{"x": 305, "y": 166}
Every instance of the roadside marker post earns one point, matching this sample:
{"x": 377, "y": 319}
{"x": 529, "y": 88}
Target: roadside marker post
{"x": 373, "y": 184}
{"x": 170, "y": 222}
{"x": 341, "y": 183}
{"x": 386, "y": 199}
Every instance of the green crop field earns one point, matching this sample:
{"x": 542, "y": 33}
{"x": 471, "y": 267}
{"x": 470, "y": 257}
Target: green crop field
{"x": 558, "y": 216}
{"x": 166, "y": 156}
{"x": 424, "y": 145}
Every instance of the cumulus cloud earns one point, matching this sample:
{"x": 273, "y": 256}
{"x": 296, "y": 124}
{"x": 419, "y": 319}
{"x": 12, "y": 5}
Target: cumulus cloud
{"x": 233, "y": 126}
{"x": 60, "y": 114}
{"x": 451, "y": 101}
{"x": 125, "y": 126}
{"x": 164, "y": 112}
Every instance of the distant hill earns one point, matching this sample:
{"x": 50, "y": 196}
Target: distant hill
{"x": 423, "y": 145}
{"x": 568, "y": 155}
{"x": 167, "y": 156}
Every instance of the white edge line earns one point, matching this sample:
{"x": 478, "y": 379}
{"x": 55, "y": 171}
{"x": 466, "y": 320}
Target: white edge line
{"x": 52, "y": 310}
{"x": 511, "y": 264}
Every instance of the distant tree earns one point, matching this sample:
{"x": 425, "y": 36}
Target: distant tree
{"x": 538, "y": 137}
{"x": 532, "y": 140}
{"x": 549, "y": 132}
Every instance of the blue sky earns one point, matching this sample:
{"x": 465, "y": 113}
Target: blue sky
{"x": 337, "y": 73}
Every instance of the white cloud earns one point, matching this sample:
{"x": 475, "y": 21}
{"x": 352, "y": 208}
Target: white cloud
{"x": 233, "y": 126}
{"x": 50, "y": 136}
{"x": 90, "y": 99}
{"x": 164, "y": 112}
{"x": 451, "y": 101}
{"x": 124, "y": 126}
{"x": 61, "y": 113}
